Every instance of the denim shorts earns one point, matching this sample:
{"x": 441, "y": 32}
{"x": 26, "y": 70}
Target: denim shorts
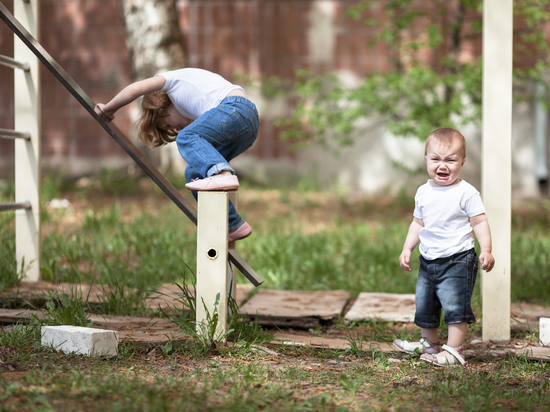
{"x": 446, "y": 283}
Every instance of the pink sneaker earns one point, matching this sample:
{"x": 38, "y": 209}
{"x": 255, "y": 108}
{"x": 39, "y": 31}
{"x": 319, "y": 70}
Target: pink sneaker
{"x": 244, "y": 231}
{"x": 214, "y": 183}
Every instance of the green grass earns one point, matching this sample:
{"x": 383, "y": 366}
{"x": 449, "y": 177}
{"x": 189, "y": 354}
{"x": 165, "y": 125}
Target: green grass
{"x": 154, "y": 246}
{"x": 303, "y": 240}
{"x": 295, "y": 380}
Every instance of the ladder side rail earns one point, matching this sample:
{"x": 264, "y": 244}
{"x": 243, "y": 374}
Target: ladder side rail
{"x": 89, "y": 105}
{"x": 27, "y": 151}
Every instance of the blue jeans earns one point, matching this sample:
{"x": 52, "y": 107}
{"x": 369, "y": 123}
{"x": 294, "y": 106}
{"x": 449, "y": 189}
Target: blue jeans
{"x": 446, "y": 283}
{"x": 216, "y": 137}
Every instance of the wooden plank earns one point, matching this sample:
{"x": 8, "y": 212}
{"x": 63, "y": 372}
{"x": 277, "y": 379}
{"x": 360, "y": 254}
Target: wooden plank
{"x": 303, "y": 309}
{"x": 36, "y": 293}
{"x": 169, "y": 296}
{"x": 382, "y": 307}
{"x": 525, "y": 316}
{"x": 11, "y": 316}
{"x": 290, "y": 339}
{"x": 537, "y": 353}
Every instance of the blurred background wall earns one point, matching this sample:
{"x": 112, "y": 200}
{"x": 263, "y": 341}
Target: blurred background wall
{"x": 238, "y": 39}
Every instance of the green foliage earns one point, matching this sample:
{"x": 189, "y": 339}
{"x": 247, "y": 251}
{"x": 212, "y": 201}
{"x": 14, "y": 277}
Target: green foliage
{"x": 10, "y": 273}
{"x": 430, "y": 83}
{"x": 118, "y": 182}
{"x": 205, "y": 334}
{"x": 64, "y": 310}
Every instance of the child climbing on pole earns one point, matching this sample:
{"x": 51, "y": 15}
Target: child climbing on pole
{"x": 211, "y": 120}
{"x": 447, "y": 208}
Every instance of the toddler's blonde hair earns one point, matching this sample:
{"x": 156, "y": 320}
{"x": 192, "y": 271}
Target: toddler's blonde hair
{"x": 446, "y": 136}
{"x": 152, "y": 107}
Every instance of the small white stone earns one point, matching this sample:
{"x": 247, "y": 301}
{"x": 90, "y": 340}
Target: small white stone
{"x": 80, "y": 340}
{"x": 544, "y": 331}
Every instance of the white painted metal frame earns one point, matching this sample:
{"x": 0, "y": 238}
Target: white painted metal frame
{"x": 497, "y": 163}
{"x": 27, "y": 152}
{"x": 212, "y": 262}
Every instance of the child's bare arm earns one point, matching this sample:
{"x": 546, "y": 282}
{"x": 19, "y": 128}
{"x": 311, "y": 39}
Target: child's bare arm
{"x": 128, "y": 95}
{"x": 483, "y": 235}
{"x": 410, "y": 243}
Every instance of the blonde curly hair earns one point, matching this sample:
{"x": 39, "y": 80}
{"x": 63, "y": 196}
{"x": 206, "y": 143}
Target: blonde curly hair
{"x": 153, "y": 105}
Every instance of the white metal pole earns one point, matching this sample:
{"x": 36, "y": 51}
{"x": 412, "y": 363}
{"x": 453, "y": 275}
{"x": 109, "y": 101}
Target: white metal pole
{"x": 27, "y": 152}
{"x": 212, "y": 249}
{"x": 497, "y": 163}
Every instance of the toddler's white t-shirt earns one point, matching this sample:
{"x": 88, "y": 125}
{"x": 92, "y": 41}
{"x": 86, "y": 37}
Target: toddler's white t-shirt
{"x": 195, "y": 91}
{"x": 446, "y": 212}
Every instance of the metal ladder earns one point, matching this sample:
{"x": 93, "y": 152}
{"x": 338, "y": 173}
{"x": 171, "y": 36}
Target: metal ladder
{"x": 27, "y": 144}
{"x": 34, "y": 49}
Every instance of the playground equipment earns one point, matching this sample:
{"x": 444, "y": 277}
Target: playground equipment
{"x": 212, "y": 272}
{"x": 496, "y": 174}
{"x": 27, "y": 146}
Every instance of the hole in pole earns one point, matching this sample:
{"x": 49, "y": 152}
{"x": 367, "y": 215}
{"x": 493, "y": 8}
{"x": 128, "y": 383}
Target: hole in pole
{"x": 212, "y": 253}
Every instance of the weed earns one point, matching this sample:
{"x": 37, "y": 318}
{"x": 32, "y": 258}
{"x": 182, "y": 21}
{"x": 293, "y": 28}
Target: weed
{"x": 10, "y": 273}
{"x": 64, "y": 310}
{"x": 115, "y": 299}
{"x": 351, "y": 385}
{"x": 109, "y": 219}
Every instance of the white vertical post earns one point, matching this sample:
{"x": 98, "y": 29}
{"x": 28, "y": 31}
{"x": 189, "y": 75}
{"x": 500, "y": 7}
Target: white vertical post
{"x": 27, "y": 152}
{"x": 497, "y": 163}
{"x": 212, "y": 215}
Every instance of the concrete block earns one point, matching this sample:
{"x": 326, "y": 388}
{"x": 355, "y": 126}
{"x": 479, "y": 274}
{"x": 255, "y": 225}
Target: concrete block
{"x": 80, "y": 340}
{"x": 544, "y": 331}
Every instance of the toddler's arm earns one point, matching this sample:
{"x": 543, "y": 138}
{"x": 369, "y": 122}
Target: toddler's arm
{"x": 483, "y": 235}
{"x": 128, "y": 95}
{"x": 410, "y": 243}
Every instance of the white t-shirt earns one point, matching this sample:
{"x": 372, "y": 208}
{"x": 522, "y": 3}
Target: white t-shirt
{"x": 195, "y": 91}
{"x": 446, "y": 212}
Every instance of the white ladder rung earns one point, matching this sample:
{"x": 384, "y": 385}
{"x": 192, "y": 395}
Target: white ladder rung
{"x": 12, "y": 134}
{"x": 15, "y": 206}
{"x": 14, "y": 64}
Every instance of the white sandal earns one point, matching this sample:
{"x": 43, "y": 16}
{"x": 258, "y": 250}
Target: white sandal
{"x": 424, "y": 346}
{"x": 456, "y": 358}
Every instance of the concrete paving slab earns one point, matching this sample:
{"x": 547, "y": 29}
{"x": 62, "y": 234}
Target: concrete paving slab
{"x": 382, "y": 307}
{"x": 302, "y": 309}
{"x": 169, "y": 296}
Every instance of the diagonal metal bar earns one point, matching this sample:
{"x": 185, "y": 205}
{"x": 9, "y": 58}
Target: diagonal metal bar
{"x": 116, "y": 134}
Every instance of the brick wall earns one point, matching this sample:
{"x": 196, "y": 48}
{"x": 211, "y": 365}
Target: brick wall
{"x": 232, "y": 37}
{"x": 87, "y": 38}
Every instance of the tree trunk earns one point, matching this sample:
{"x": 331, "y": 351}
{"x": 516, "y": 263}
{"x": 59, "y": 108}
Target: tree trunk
{"x": 156, "y": 45}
